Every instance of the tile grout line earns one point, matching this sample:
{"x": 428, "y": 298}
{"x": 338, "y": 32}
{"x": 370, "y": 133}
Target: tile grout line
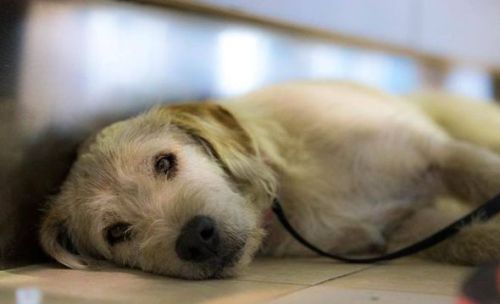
{"x": 272, "y": 282}
{"x": 344, "y": 275}
{"x": 305, "y": 287}
{"x": 287, "y": 293}
{"x": 306, "y": 284}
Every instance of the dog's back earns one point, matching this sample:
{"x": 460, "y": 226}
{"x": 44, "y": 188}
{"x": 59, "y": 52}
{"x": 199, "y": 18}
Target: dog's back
{"x": 475, "y": 121}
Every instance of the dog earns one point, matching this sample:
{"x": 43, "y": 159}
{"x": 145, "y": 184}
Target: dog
{"x": 185, "y": 190}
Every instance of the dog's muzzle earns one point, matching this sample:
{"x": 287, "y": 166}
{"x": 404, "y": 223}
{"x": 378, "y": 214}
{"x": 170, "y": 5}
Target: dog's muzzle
{"x": 201, "y": 242}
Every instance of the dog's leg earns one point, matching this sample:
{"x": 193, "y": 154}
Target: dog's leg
{"x": 476, "y": 244}
{"x": 469, "y": 172}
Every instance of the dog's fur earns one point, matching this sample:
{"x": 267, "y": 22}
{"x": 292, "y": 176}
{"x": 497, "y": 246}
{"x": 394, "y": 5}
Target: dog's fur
{"x": 358, "y": 172}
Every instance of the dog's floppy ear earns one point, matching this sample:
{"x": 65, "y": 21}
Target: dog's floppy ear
{"x": 215, "y": 128}
{"x": 220, "y": 133}
{"x": 58, "y": 243}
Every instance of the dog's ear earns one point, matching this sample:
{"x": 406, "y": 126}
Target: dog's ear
{"x": 223, "y": 137}
{"x": 216, "y": 129}
{"x": 56, "y": 240}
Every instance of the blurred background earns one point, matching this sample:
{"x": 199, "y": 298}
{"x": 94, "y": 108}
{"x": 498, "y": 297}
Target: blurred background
{"x": 69, "y": 67}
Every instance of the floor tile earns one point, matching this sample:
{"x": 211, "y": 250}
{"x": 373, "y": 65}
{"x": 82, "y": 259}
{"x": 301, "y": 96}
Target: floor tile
{"x": 60, "y": 285}
{"x": 306, "y": 271}
{"x": 412, "y": 275}
{"x": 325, "y": 294}
{"x": 277, "y": 281}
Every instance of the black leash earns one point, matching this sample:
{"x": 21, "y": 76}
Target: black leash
{"x": 483, "y": 213}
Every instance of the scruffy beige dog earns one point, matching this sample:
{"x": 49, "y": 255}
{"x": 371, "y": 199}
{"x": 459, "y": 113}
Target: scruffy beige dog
{"x": 186, "y": 190}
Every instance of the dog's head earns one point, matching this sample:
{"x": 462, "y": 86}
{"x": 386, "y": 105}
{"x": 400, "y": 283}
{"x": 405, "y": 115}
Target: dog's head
{"x": 178, "y": 190}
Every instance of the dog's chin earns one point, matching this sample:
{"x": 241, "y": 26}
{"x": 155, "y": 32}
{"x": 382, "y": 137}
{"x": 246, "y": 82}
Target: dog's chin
{"x": 232, "y": 265}
{"x": 226, "y": 266}
{"x": 221, "y": 273}
{"x": 221, "y": 268}
{"x": 204, "y": 272}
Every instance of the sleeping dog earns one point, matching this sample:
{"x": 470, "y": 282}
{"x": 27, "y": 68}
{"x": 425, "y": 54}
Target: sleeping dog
{"x": 186, "y": 190}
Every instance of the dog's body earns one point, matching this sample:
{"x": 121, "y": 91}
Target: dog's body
{"x": 357, "y": 171}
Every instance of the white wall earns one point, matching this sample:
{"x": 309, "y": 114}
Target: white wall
{"x": 465, "y": 29}
{"x": 461, "y": 28}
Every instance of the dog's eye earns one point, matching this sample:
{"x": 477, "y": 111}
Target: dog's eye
{"x": 165, "y": 164}
{"x": 118, "y": 233}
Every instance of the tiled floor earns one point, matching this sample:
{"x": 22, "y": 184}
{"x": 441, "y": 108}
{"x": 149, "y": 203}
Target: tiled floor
{"x": 277, "y": 281}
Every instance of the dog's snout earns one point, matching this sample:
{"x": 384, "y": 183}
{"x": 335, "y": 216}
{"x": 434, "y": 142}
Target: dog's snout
{"x": 199, "y": 240}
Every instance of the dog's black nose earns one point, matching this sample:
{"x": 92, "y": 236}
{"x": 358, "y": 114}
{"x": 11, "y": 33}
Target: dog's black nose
{"x": 199, "y": 240}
